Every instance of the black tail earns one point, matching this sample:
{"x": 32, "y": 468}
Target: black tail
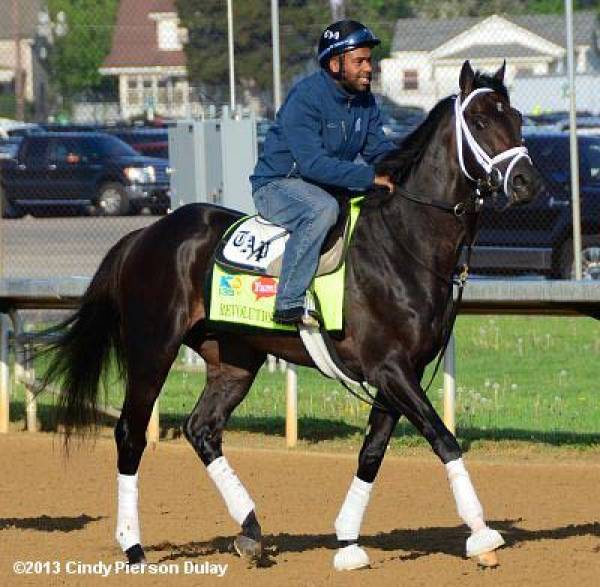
{"x": 86, "y": 342}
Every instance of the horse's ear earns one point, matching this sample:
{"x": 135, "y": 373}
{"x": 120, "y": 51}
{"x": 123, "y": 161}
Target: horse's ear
{"x": 499, "y": 75}
{"x": 467, "y": 78}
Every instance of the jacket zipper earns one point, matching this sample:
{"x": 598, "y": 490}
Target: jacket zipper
{"x": 344, "y": 129}
{"x": 291, "y": 170}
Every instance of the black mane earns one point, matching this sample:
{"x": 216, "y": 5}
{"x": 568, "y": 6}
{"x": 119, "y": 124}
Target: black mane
{"x": 399, "y": 163}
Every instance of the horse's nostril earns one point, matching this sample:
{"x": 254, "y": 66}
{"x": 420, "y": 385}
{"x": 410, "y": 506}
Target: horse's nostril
{"x": 519, "y": 181}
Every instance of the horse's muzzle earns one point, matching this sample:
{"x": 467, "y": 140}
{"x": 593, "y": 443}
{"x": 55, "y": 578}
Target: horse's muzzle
{"x": 524, "y": 184}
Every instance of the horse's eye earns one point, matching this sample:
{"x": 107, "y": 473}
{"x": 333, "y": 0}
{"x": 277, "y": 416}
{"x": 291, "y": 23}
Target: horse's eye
{"x": 480, "y": 122}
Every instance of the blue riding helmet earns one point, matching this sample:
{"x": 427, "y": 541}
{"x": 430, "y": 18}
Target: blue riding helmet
{"x": 342, "y": 36}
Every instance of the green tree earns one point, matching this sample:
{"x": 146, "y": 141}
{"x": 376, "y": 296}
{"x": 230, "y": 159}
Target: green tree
{"x": 381, "y": 17}
{"x": 75, "y": 57}
{"x": 558, "y": 6}
{"x": 301, "y": 22}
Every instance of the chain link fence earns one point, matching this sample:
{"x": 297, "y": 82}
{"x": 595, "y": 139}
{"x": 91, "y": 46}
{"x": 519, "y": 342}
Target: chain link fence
{"x": 89, "y": 89}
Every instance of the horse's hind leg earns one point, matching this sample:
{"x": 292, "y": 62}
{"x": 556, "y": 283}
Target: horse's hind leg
{"x": 350, "y": 555}
{"x": 147, "y": 371}
{"x": 231, "y": 369}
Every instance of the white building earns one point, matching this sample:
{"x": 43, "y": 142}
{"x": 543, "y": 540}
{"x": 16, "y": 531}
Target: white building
{"x": 427, "y": 55}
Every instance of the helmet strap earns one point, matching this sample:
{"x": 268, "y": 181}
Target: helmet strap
{"x": 339, "y": 74}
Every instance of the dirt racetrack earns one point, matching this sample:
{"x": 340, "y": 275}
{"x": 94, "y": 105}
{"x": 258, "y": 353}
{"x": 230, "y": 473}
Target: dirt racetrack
{"x": 63, "y": 511}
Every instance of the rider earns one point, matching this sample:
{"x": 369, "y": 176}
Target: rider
{"x": 328, "y": 119}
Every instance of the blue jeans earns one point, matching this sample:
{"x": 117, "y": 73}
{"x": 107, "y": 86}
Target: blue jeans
{"x": 307, "y": 212}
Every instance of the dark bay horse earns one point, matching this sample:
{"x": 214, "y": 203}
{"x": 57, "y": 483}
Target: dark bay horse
{"x": 146, "y": 300}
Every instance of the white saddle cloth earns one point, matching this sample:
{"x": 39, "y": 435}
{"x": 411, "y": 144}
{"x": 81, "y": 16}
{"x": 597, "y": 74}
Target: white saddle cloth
{"x": 258, "y": 245}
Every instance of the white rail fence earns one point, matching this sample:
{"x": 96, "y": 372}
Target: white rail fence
{"x": 559, "y": 298}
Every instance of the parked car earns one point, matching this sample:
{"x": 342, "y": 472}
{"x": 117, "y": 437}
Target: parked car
{"x": 585, "y": 125}
{"x": 24, "y": 130}
{"x": 94, "y": 170}
{"x": 9, "y": 147}
{"x": 537, "y": 237}
{"x": 398, "y": 120}
{"x": 153, "y": 142}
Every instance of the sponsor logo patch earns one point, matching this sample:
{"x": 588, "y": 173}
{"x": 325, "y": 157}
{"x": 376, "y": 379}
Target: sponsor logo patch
{"x": 229, "y": 285}
{"x": 264, "y": 287}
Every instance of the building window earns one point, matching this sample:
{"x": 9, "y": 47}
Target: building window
{"x": 168, "y": 35}
{"x": 524, "y": 72}
{"x": 133, "y": 94}
{"x": 411, "y": 79}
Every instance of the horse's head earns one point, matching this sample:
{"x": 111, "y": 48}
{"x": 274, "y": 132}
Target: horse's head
{"x": 488, "y": 135}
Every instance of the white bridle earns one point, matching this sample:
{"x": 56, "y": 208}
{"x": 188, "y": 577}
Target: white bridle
{"x": 486, "y": 162}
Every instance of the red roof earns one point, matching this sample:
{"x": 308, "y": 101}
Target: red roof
{"x": 135, "y": 39}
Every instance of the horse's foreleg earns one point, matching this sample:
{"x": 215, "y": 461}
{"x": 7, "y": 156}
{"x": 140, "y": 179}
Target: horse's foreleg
{"x": 350, "y": 555}
{"x": 226, "y": 387}
{"x": 418, "y": 409}
{"x": 483, "y": 540}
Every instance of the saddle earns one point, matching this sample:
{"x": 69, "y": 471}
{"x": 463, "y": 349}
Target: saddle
{"x": 256, "y": 246}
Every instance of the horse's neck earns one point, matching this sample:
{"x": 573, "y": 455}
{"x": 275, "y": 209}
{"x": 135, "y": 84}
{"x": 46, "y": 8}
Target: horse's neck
{"x": 437, "y": 234}
{"x": 438, "y": 175}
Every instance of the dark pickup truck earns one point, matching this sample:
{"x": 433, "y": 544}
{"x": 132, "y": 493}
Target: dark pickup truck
{"x": 90, "y": 169}
{"x": 537, "y": 237}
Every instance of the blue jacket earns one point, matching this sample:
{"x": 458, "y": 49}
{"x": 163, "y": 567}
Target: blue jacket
{"x": 318, "y": 133}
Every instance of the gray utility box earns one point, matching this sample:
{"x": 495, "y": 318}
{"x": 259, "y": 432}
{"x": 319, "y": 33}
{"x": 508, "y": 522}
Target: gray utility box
{"x": 211, "y": 161}
{"x": 195, "y": 159}
{"x": 238, "y": 156}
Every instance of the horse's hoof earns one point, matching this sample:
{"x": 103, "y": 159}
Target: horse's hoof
{"x": 135, "y": 555}
{"x": 487, "y": 559}
{"x": 481, "y": 546}
{"x": 247, "y": 547}
{"x": 350, "y": 558}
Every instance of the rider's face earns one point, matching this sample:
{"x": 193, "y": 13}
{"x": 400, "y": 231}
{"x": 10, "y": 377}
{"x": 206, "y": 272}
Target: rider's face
{"x": 357, "y": 69}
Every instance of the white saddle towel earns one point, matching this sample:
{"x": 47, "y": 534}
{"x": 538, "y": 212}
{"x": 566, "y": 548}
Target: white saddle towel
{"x": 255, "y": 243}
{"x": 258, "y": 245}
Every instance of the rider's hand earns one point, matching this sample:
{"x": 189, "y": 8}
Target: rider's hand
{"x": 384, "y": 181}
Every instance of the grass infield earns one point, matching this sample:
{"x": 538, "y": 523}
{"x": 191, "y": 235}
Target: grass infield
{"x": 519, "y": 379}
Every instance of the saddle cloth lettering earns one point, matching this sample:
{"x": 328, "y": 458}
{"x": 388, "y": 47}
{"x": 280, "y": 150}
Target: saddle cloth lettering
{"x": 257, "y": 246}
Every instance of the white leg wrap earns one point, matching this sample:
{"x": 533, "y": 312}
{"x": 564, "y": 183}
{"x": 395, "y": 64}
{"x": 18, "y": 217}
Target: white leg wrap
{"x": 347, "y": 527}
{"x": 128, "y": 525}
{"x": 238, "y": 502}
{"x": 347, "y": 524}
{"x": 482, "y": 539}
{"x": 467, "y": 504}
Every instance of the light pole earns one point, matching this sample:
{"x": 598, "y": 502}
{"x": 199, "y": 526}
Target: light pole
{"x": 276, "y": 56}
{"x": 338, "y": 10}
{"x": 47, "y": 31}
{"x": 18, "y": 71}
{"x": 576, "y": 208}
{"x": 231, "y": 57}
